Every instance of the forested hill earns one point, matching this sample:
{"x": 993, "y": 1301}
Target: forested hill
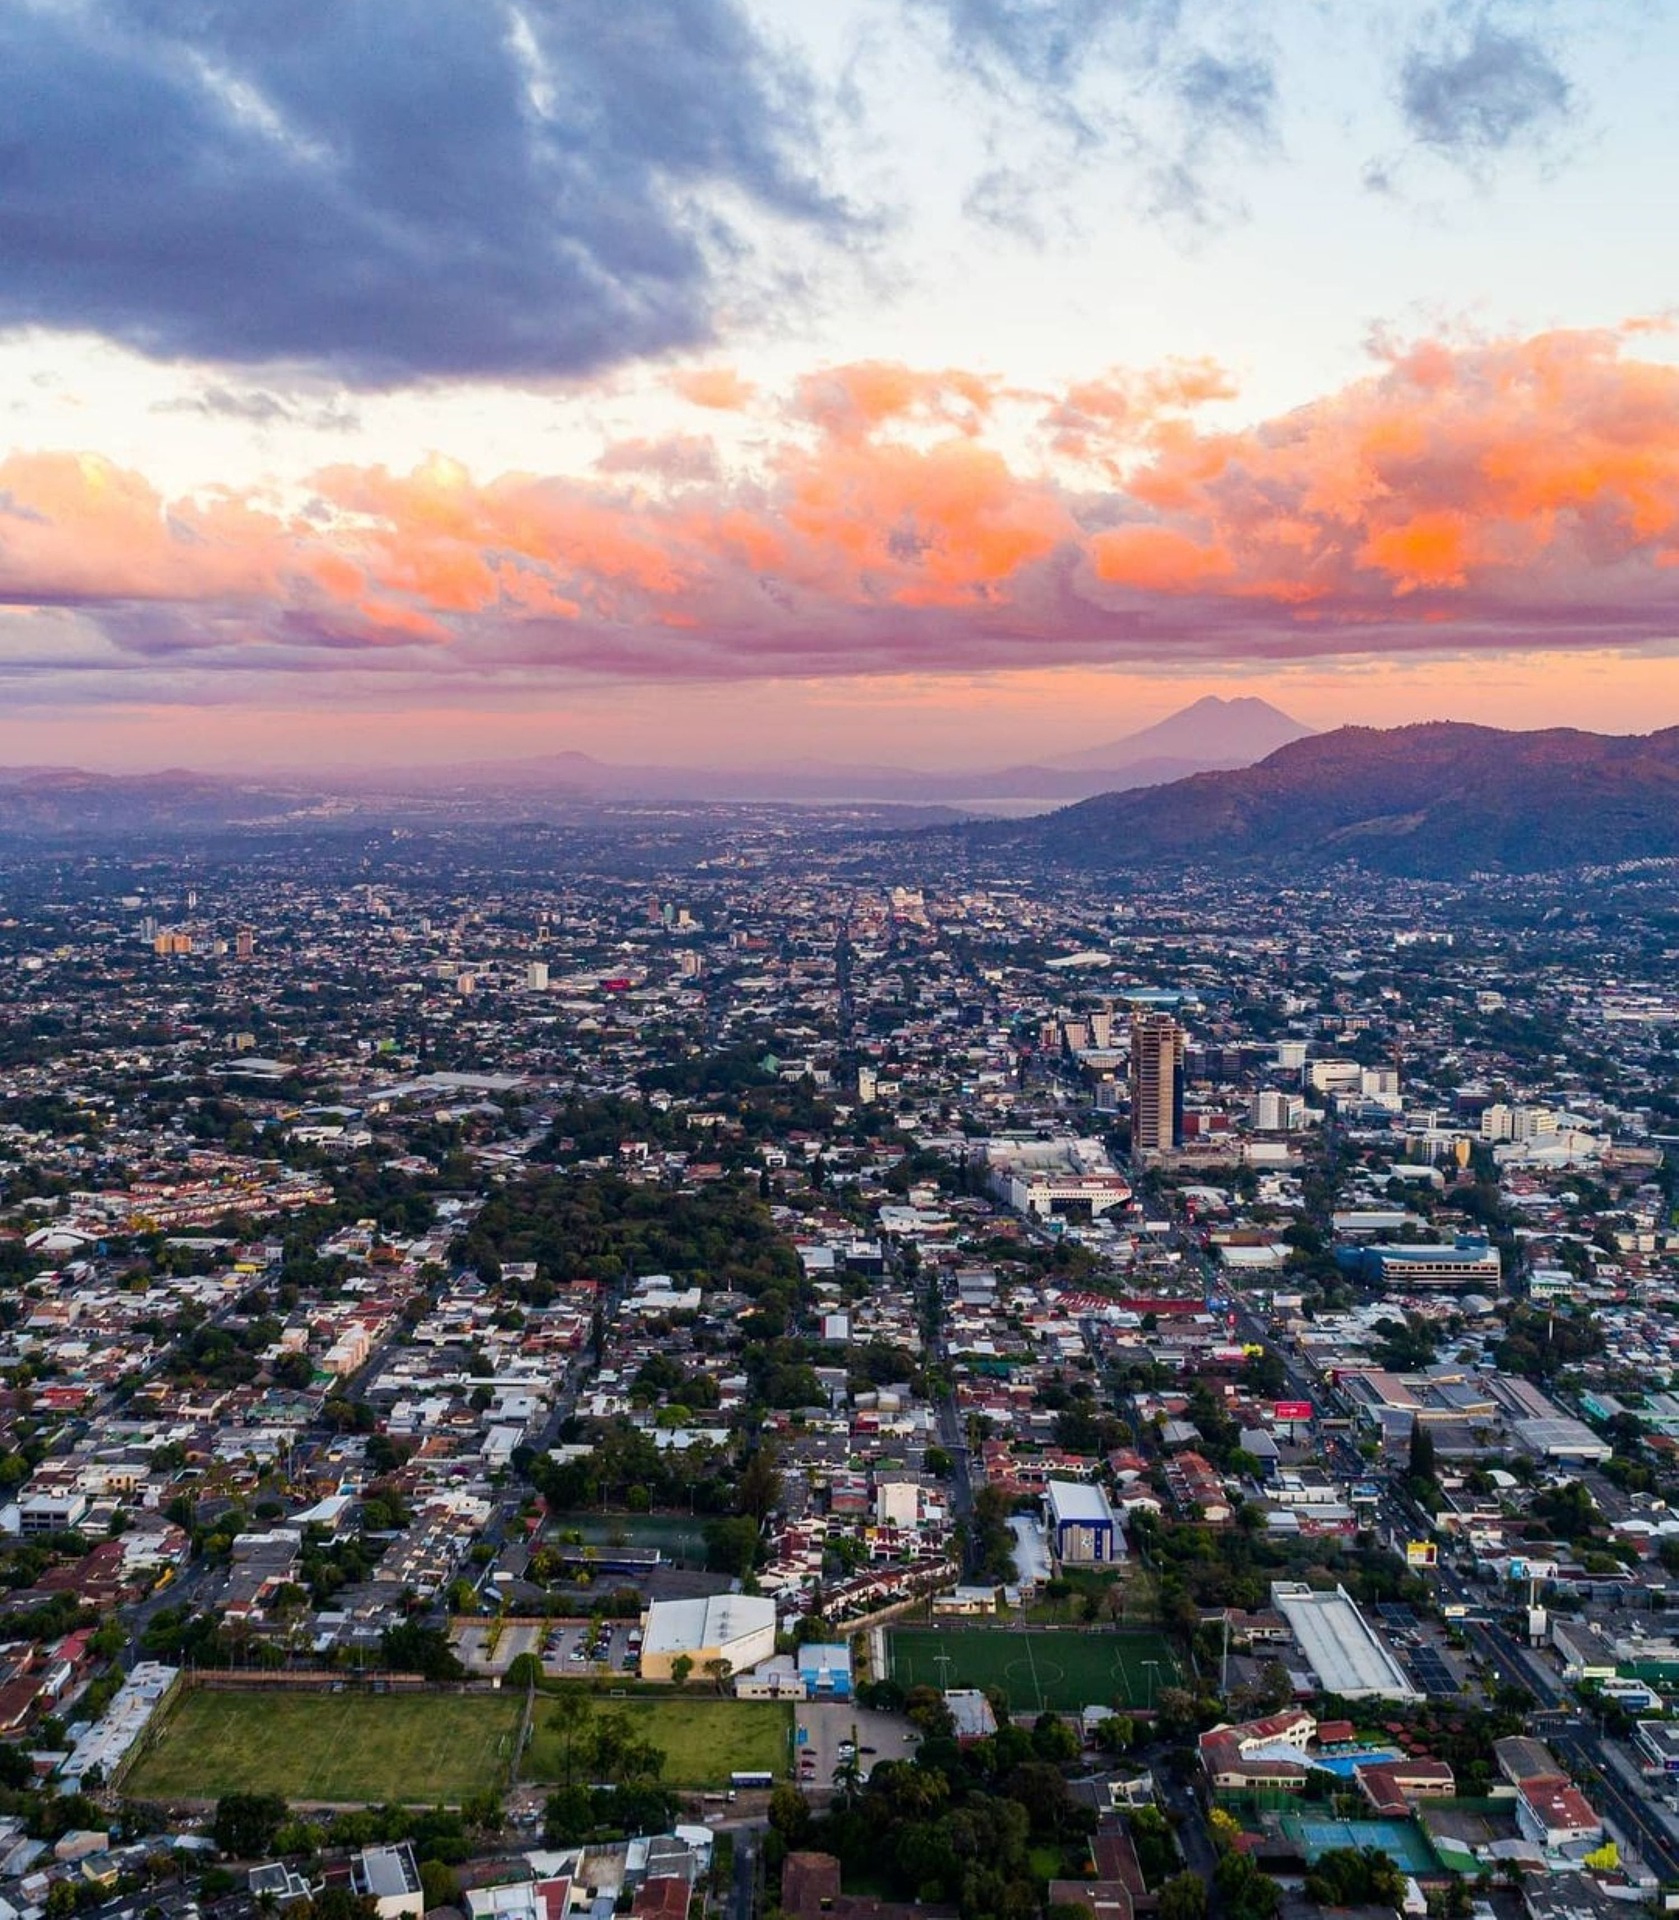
{"x": 1439, "y": 799}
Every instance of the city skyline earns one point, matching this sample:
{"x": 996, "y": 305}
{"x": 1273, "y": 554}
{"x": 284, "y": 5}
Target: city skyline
{"x": 945, "y": 383}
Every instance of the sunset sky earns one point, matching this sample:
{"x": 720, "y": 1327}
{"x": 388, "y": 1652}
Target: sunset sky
{"x": 934, "y": 381}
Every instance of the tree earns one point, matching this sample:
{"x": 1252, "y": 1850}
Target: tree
{"x": 1350, "y": 1877}
{"x": 413, "y": 1648}
{"x": 1054, "y": 1740}
{"x": 568, "y": 1720}
{"x": 340, "y": 1903}
{"x": 1184, "y": 1897}
{"x": 731, "y": 1546}
{"x": 681, "y": 1668}
{"x": 760, "y": 1484}
{"x": 925, "y": 1708}
{"x": 718, "y": 1671}
{"x": 789, "y": 1813}
{"x": 523, "y": 1672}
{"x": 848, "y": 1780}
{"x": 439, "y": 1884}
{"x": 568, "y": 1816}
{"x": 246, "y": 1823}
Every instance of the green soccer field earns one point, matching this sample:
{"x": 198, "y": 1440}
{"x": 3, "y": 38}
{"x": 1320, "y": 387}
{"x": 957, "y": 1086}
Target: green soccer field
{"x": 1053, "y": 1672}
{"x": 350, "y": 1747}
{"x": 703, "y": 1741}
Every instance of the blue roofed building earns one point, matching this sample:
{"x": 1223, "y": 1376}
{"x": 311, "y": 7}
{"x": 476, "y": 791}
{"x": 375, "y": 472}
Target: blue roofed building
{"x": 1468, "y": 1262}
{"x": 825, "y": 1670}
{"x": 1083, "y": 1527}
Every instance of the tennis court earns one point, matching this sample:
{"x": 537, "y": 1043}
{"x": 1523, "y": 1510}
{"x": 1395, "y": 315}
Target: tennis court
{"x": 1401, "y": 1840}
{"x": 1040, "y": 1669}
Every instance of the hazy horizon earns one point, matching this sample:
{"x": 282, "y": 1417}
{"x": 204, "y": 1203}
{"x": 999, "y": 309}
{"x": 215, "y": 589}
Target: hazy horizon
{"x": 326, "y": 767}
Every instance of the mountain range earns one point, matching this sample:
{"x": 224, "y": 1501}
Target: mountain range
{"x": 1436, "y": 800}
{"x": 1442, "y": 799}
{"x": 1212, "y": 733}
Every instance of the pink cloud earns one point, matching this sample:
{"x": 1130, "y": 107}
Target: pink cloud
{"x": 721, "y": 389}
{"x": 1505, "y": 494}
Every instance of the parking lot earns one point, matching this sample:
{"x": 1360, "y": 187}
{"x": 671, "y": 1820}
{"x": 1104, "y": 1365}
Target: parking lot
{"x": 567, "y": 1648}
{"x": 821, "y": 1727}
{"x": 576, "y": 1650}
{"x": 1422, "y": 1648}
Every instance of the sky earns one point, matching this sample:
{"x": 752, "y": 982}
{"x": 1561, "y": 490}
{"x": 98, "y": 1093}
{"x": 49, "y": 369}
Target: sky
{"x": 942, "y": 382}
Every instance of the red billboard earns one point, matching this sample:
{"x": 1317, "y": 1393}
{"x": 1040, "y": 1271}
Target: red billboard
{"x": 1292, "y": 1410}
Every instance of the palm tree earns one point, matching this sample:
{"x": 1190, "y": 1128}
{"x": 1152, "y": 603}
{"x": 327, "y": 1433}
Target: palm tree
{"x": 848, "y": 1780}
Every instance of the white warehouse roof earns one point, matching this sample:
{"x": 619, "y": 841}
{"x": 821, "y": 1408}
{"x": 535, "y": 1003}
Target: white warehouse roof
{"x": 1073, "y": 1503}
{"x": 679, "y": 1626}
{"x": 1343, "y": 1653}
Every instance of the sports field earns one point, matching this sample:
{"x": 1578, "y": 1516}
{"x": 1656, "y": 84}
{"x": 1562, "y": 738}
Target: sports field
{"x": 1042, "y": 1672}
{"x": 703, "y": 1741}
{"x": 359, "y": 1747}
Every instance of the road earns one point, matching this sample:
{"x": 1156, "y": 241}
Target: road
{"x": 1184, "y": 1810}
{"x": 954, "y": 1439}
{"x": 743, "y": 1895}
{"x": 1583, "y": 1751}
{"x": 1518, "y": 1664}
{"x": 1597, "y": 1764}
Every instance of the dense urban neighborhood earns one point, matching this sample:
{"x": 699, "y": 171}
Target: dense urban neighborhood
{"x": 756, "y": 1364}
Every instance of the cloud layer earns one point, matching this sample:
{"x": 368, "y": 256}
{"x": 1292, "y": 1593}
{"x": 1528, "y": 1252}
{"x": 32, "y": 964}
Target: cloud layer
{"x": 1482, "y": 90}
{"x": 1500, "y": 495}
{"x": 426, "y": 187}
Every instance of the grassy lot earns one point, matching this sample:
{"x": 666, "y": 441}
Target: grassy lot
{"x": 703, "y": 1741}
{"x": 1057, "y": 1672}
{"x": 419, "y": 1748}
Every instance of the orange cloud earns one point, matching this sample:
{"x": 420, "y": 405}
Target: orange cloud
{"x": 1514, "y": 493}
{"x": 851, "y": 401}
{"x": 1494, "y": 474}
{"x": 719, "y": 388}
{"x": 1156, "y": 559}
{"x": 1431, "y": 550}
{"x": 1099, "y": 420}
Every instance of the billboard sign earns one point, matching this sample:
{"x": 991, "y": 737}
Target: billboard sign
{"x": 1292, "y": 1410}
{"x": 1421, "y": 1553}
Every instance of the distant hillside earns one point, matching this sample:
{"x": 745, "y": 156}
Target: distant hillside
{"x": 1434, "y": 800}
{"x": 37, "y": 800}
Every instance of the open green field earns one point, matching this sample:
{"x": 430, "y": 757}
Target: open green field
{"x": 1042, "y": 1672}
{"x": 703, "y": 1741}
{"x": 426, "y": 1747}
{"x": 416, "y": 1747}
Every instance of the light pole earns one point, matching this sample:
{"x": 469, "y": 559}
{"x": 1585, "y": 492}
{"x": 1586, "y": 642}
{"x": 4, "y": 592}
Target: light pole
{"x": 1151, "y": 1668}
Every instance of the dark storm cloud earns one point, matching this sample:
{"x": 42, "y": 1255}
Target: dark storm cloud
{"x": 1482, "y": 92}
{"x": 391, "y": 191}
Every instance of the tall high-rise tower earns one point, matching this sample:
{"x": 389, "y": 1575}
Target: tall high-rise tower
{"x": 1156, "y": 1083}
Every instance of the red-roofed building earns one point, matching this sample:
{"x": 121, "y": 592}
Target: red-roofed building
{"x": 1553, "y": 1813}
{"x": 664, "y": 1897}
{"x": 1101, "y": 1899}
{"x": 1392, "y": 1785}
